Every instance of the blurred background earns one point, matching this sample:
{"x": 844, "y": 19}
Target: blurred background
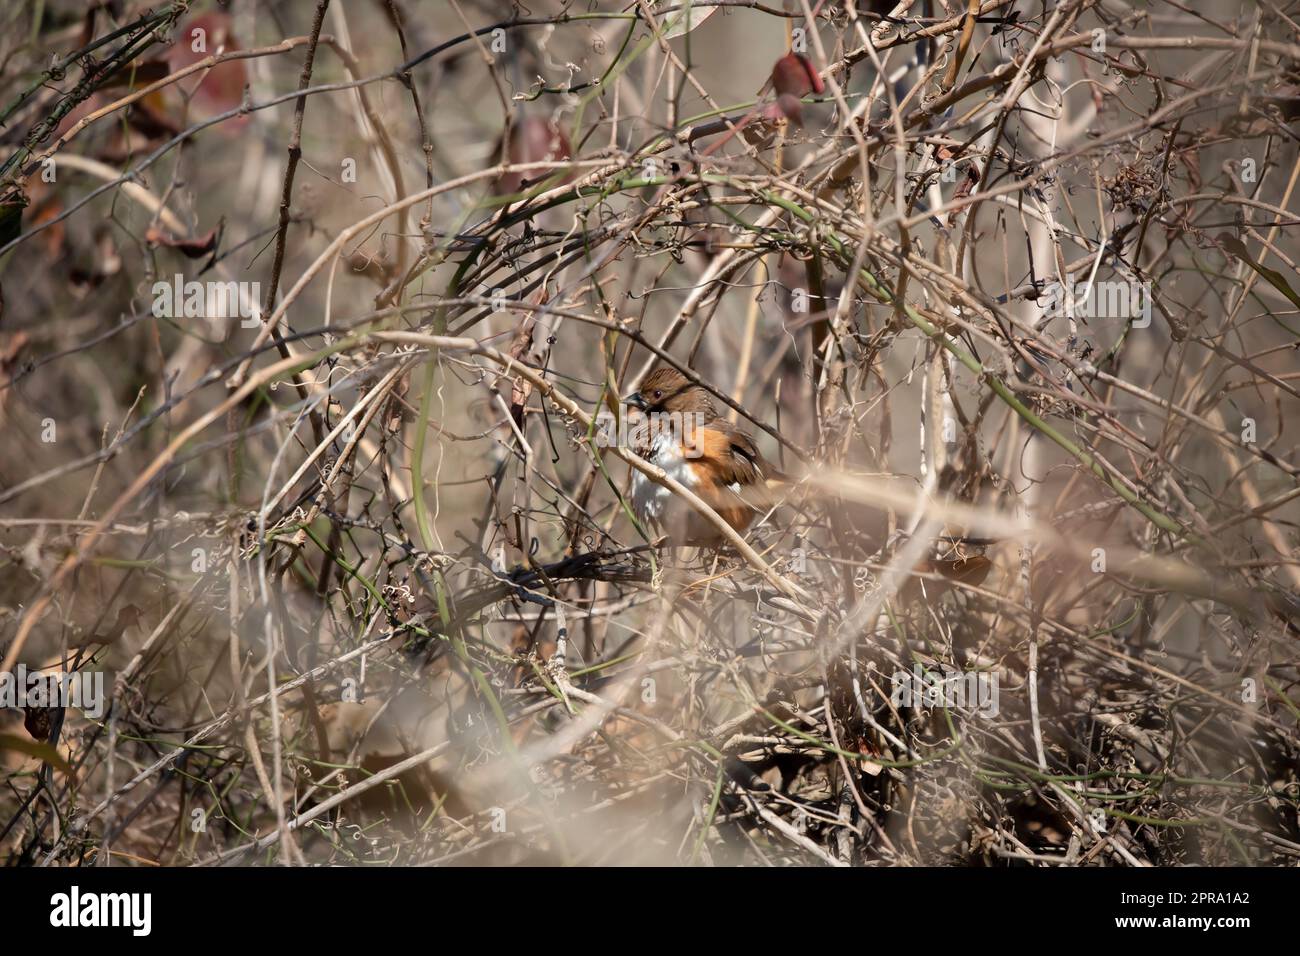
{"x": 377, "y": 600}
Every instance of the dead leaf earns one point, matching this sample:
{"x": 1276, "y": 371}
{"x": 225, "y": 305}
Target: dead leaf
{"x": 191, "y": 248}
{"x": 9, "y": 353}
{"x": 40, "y": 751}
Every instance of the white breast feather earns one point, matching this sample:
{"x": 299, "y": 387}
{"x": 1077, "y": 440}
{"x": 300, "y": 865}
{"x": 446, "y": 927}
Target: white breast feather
{"x": 652, "y": 501}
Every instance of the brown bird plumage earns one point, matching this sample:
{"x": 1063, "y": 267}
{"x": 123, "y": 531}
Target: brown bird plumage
{"x": 696, "y": 446}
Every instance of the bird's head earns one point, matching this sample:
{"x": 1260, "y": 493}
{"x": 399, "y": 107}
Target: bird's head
{"x": 668, "y": 390}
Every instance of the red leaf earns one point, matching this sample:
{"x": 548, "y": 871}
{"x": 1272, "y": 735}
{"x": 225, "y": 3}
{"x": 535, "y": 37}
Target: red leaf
{"x": 531, "y": 140}
{"x": 794, "y": 75}
{"x": 222, "y": 87}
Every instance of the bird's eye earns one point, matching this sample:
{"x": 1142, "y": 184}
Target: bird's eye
{"x": 659, "y": 393}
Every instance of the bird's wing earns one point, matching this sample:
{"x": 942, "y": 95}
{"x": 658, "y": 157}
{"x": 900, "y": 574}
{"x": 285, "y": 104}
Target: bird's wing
{"x": 730, "y": 457}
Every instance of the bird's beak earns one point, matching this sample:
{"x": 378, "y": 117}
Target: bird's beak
{"x": 635, "y": 400}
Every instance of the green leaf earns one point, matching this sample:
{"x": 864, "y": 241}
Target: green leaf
{"x": 1274, "y": 278}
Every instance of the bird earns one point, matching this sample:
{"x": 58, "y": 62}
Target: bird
{"x": 717, "y": 460}
{"x": 685, "y": 436}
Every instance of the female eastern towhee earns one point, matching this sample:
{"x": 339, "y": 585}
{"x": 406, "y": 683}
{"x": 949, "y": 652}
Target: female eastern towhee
{"x": 720, "y": 463}
{"x": 694, "y": 445}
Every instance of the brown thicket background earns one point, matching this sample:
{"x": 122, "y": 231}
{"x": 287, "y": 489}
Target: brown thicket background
{"x": 361, "y": 585}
